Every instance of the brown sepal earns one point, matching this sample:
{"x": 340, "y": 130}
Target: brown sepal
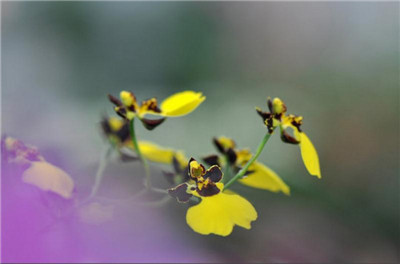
{"x": 214, "y": 173}
{"x": 150, "y": 124}
{"x": 218, "y": 145}
{"x": 287, "y": 138}
{"x": 179, "y": 192}
{"x": 211, "y": 160}
{"x": 114, "y": 100}
{"x": 208, "y": 190}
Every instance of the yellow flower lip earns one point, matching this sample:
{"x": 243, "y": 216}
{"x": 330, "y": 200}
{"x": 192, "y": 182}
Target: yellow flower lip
{"x": 219, "y": 214}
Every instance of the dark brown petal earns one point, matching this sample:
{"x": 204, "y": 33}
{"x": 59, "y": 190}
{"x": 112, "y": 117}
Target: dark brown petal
{"x": 219, "y": 146}
{"x": 179, "y": 192}
{"x": 121, "y": 111}
{"x": 236, "y": 169}
{"x": 208, "y": 190}
{"x": 287, "y": 138}
{"x": 211, "y": 160}
{"x": 176, "y": 165}
{"x": 105, "y": 126}
{"x": 231, "y": 156}
{"x": 123, "y": 133}
{"x": 297, "y": 125}
{"x": 114, "y": 100}
{"x": 214, "y": 173}
{"x": 269, "y": 102}
{"x": 150, "y": 124}
{"x": 264, "y": 115}
{"x": 185, "y": 174}
{"x": 151, "y": 105}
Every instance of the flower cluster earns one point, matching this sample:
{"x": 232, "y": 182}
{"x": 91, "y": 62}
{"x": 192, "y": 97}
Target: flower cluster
{"x": 277, "y": 118}
{"x": 176, "y": 105}
{"x": 257, "y": 176}
{"x": 215, "y": 208}
{"x": 219, "y": 211}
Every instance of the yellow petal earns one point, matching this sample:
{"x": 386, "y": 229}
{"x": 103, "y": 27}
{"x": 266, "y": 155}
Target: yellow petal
{"x": 226, "y": 142}
{"x": 156, "y": 153}
{"x": 49, "y": 178}
{"x": 264, "y": 178}
{"x": 309, "y": 154}
{"x": 115, "y": 123}
{"x": 218, "y": 214}
{"x": 182, "y": 103}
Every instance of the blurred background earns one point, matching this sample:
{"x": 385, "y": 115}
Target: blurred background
{"x": 337, "y": 64}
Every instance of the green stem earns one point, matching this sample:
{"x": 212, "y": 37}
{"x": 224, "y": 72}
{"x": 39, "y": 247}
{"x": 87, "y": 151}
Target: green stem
{"x": 243, "y": 171}
{"x": 100, "y": 170}
{"x": 226, "y": 169}
{"x": 142, "y": 158}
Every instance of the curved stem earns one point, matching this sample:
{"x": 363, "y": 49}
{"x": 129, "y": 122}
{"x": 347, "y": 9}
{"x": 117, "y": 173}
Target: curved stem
{"x": 99, "y": 174}
{"x": 142, "y": 158}
{"x": 226, "y": 169}
{"x": 243, "y": 171}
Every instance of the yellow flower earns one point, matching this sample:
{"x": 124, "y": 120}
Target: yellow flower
{"x": 116, "y": 130}
{"x": 218, "y": 211}
{"x": 277, "y": 118}
{"x": 258, "y": 176}
{"x": 39, "y": 172}
{"x": 158, "y": 154}
{"x": 178, "y": 104}
{"x": 218, "y": 214}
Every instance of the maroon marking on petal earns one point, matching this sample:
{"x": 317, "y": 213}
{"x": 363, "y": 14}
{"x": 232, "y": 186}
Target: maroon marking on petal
{"x": 297, "y": 125}
{"x": 114, "y": 100}
{"x": 264, "y": 115}
{"x": 208, "y": 190}
{"x": 214, "y": 174}
{"x": 121, "y": 111}
{"x": 287, "y": 138}
{"x": 150, "y": 124}
{"x": 211, "y": 160}
{"x": 179, "y": 192}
